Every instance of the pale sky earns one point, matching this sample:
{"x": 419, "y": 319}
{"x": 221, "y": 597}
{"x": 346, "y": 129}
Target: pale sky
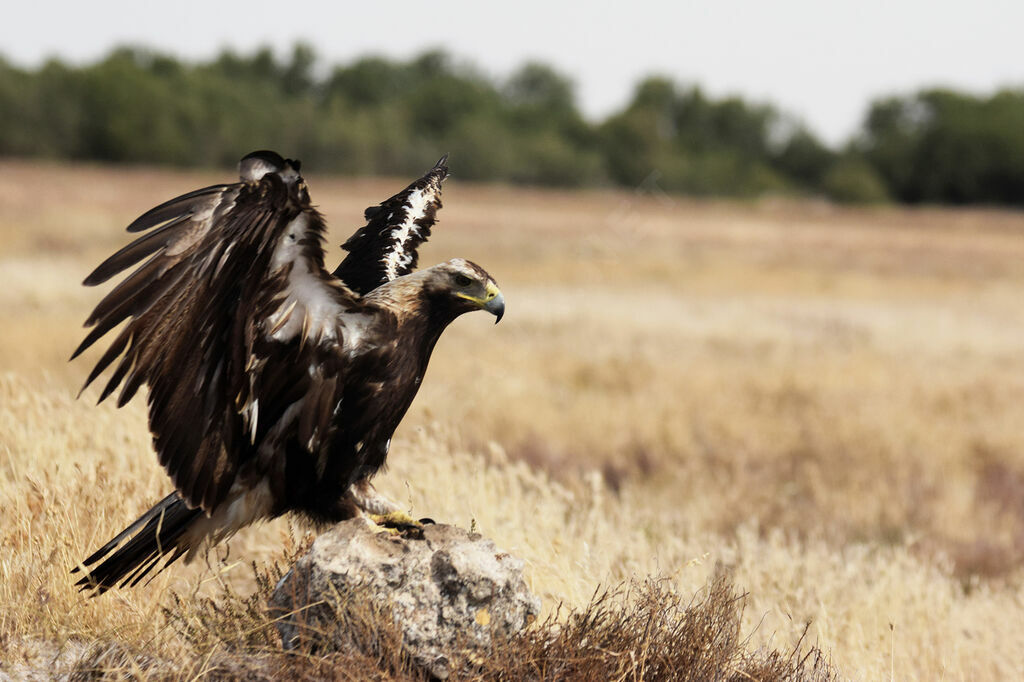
{"x": 822, "y": 61}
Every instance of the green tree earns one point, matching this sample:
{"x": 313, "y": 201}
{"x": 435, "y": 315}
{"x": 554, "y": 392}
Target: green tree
{"x": 948, "y": 147}
{"x": 377, "y": 115}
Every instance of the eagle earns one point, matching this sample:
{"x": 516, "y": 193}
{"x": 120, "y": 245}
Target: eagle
{"x": 274, "y": 385}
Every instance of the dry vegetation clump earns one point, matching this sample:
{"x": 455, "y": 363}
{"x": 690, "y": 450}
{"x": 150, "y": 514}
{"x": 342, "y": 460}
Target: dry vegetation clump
{"x": 825, "y": 404}
{"x": 644, "y": 632}
{"x": 652, "y": 633}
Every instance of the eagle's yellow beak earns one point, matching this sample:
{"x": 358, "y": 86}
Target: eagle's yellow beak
{"x": 493, "y": 301}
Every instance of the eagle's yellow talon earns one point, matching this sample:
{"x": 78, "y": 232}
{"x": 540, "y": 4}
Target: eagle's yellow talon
{"x": 395, "y": 520}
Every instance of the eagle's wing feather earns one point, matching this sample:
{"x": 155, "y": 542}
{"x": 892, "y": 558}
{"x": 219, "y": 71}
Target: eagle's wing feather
{"x": 385, "y": 248}
{"x": 233, "y": 324}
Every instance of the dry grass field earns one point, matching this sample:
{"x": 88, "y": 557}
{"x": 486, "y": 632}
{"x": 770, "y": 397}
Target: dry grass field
{"x": 824, "y": 405}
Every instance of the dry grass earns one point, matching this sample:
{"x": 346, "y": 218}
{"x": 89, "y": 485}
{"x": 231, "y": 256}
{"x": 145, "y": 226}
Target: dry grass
{"x": 644, "y": 632}
{"x": 825, "y": 405}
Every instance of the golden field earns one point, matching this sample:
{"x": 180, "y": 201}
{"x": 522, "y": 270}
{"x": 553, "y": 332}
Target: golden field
{"x": 824, "y": 404}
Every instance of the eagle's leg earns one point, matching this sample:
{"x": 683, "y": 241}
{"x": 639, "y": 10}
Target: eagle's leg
{"x": 380, "y": 509}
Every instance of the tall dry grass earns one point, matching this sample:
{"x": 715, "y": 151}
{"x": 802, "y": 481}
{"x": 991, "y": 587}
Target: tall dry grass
{"x": 826, "y": 406}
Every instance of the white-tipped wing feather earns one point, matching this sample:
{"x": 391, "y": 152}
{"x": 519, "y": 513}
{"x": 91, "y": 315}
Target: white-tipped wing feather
{"x": 386, "y": 248}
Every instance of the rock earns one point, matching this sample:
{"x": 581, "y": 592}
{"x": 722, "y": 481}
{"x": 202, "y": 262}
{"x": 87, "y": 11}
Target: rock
{"x": 449, "y": 593}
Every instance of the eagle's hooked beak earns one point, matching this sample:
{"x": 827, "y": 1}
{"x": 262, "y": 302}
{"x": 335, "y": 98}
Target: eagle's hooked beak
{"x": 492, "y": 301}
{"x": 495, "y": 302}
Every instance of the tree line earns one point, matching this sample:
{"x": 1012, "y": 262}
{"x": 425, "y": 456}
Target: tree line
{"x": 383, "y": 116}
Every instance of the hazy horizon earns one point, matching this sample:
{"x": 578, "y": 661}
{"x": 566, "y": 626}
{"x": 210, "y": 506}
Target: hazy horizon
{"x": 820, "y": 63}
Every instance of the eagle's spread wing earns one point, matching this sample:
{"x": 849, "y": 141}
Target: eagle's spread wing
{"x": 386, "y": 247}
{"x": 232, "y": 323}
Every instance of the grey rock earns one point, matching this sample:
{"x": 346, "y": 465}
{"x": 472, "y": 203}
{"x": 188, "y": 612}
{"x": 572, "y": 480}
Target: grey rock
{"x": 449, "y": 593}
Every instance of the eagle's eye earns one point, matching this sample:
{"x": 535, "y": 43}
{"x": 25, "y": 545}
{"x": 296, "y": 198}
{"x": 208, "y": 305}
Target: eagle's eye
{"x": 462, "y": 280}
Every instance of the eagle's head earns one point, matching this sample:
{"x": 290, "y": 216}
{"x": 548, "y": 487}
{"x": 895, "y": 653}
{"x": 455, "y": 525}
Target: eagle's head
{"x": 459, "y": 286}
{"x": 439, "y": 294}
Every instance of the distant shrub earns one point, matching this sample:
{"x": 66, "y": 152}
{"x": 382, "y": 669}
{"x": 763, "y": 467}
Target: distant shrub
{"x": 853, "y": 181}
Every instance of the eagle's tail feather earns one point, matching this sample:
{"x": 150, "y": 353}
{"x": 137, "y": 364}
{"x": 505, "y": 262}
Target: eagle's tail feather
{"x": 157, "y": 534}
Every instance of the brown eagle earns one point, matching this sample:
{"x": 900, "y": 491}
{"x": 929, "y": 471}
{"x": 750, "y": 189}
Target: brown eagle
{"x": 274, "y": 385}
